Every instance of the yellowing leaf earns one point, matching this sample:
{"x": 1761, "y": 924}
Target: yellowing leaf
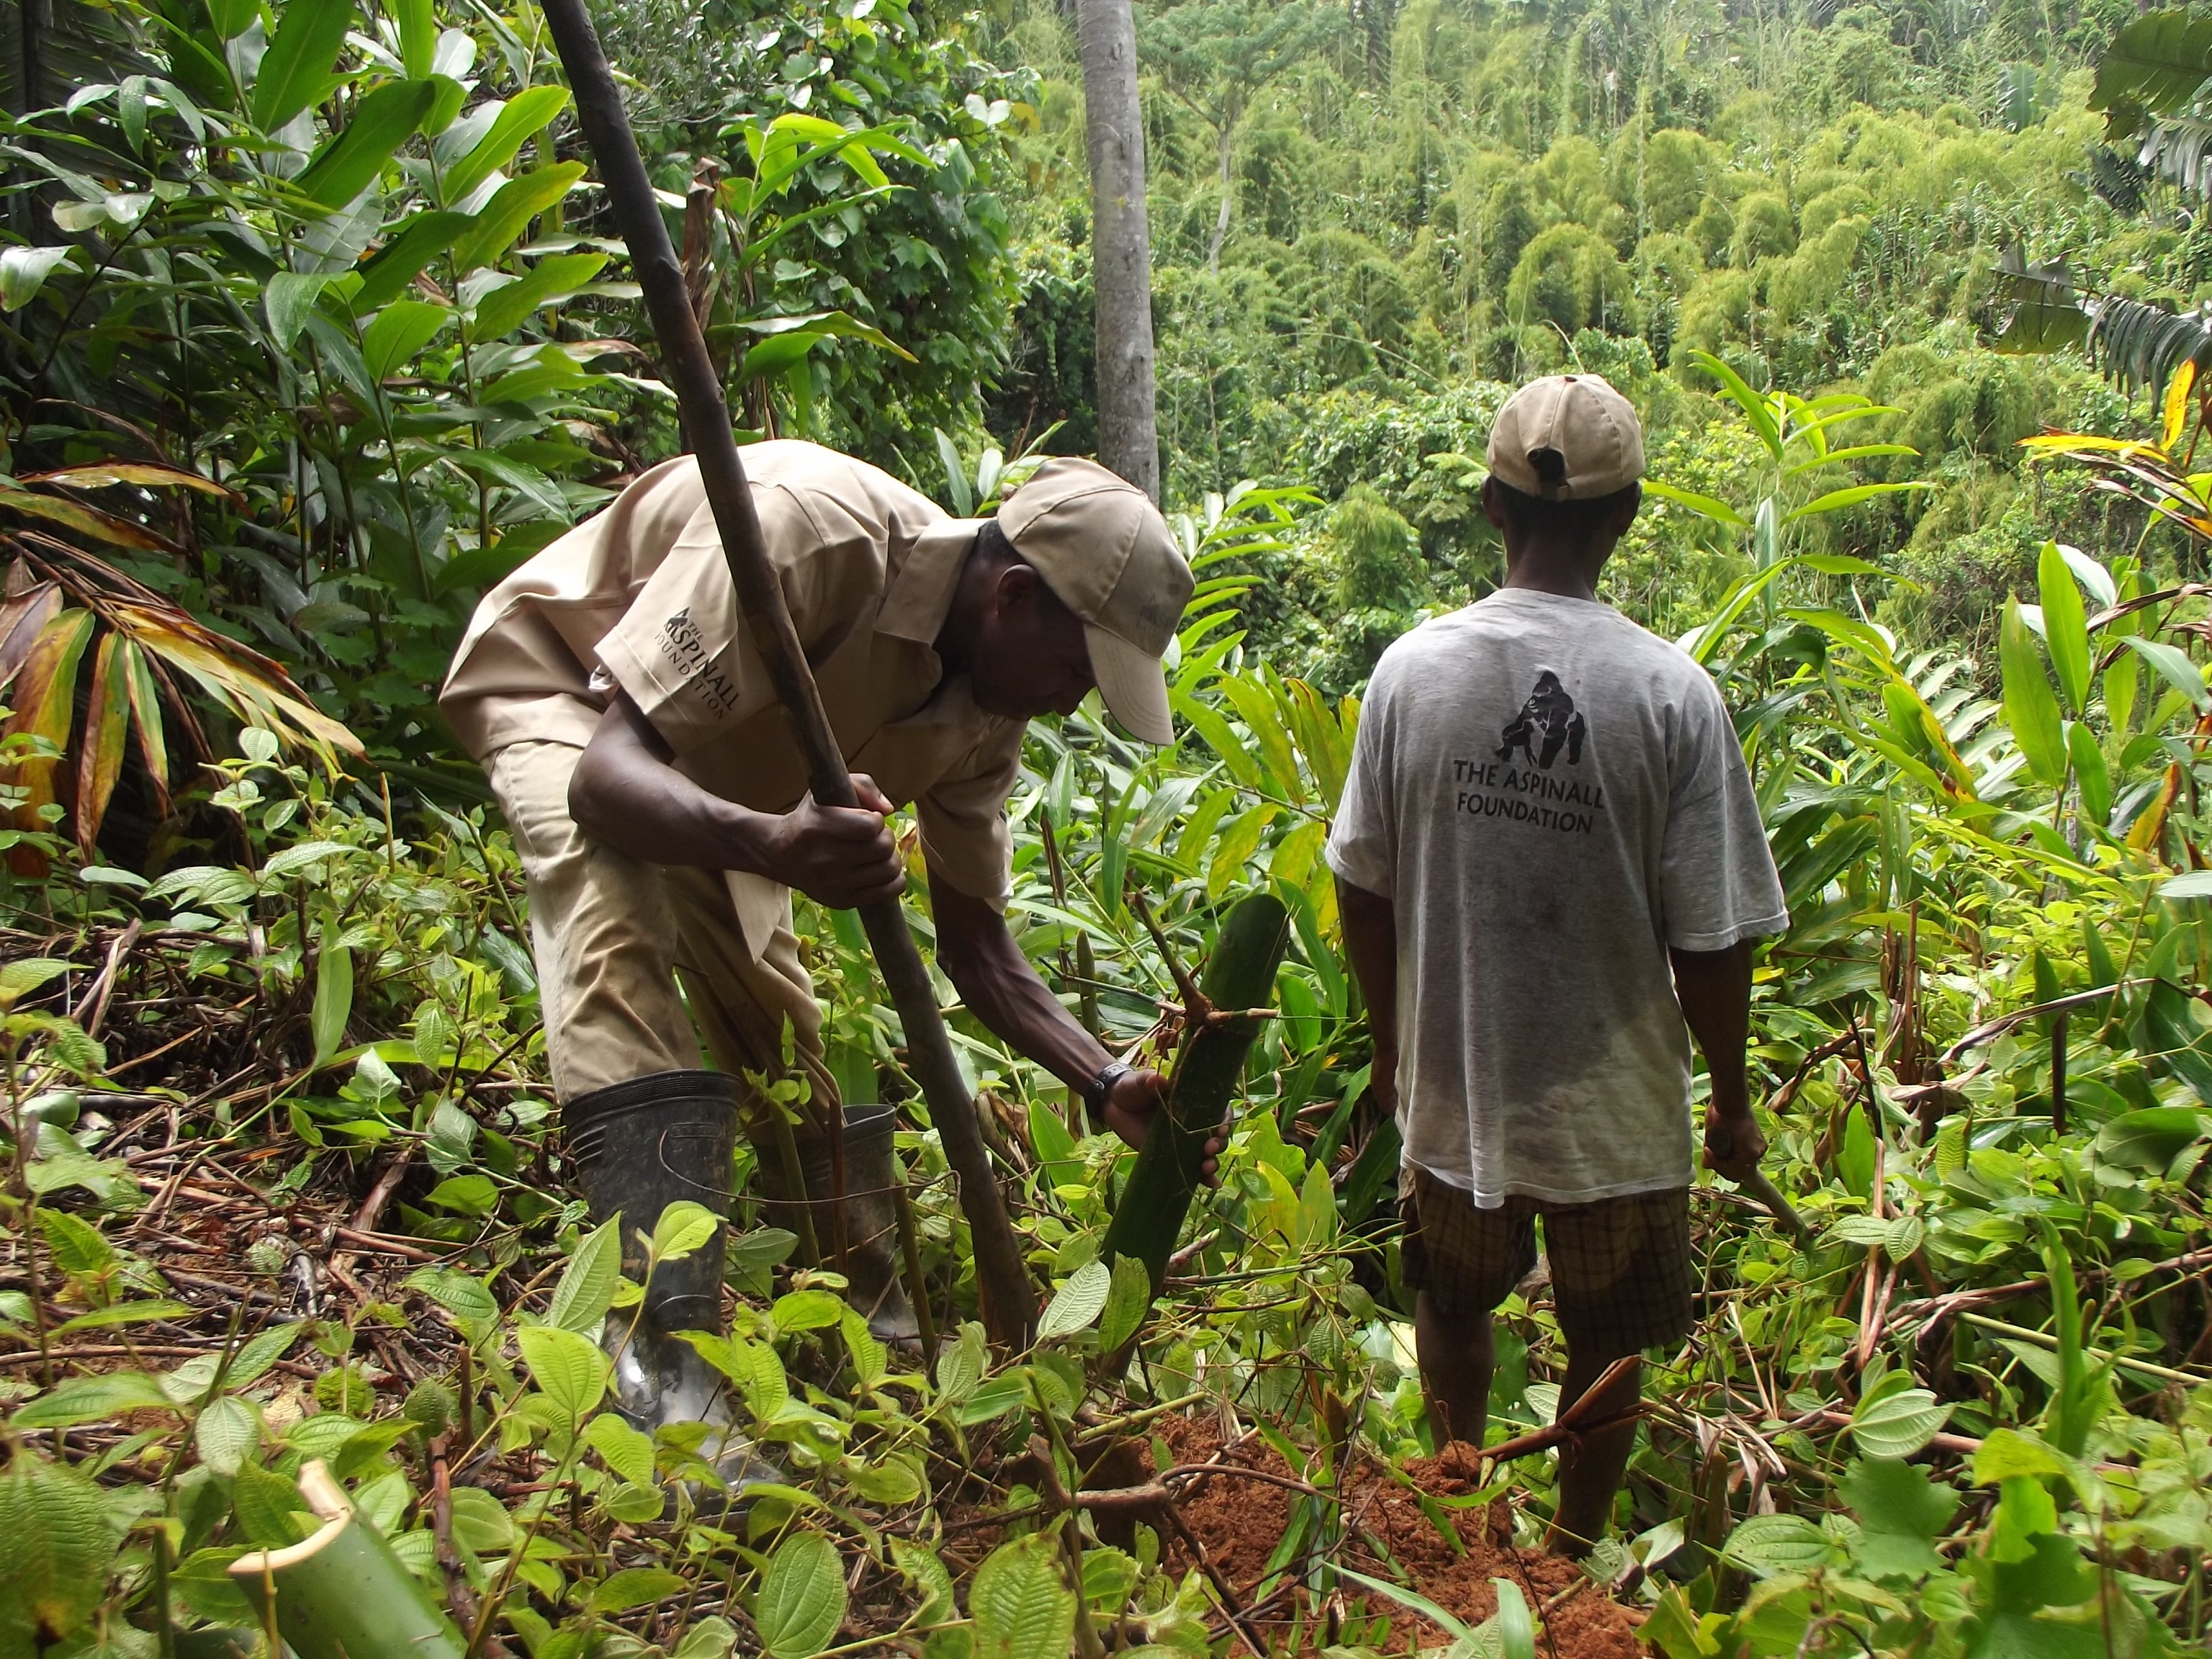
{"x": 2177, "y": 405}
{"x": 102, "y": 475}
{"x": 85, "y": 520}
{"x": 107, "y": 723}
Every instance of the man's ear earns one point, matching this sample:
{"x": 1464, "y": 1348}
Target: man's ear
{"x": 1625, "y": 514}
{"x": 1016, "y": 587}
{"x": 1490, "y": 509}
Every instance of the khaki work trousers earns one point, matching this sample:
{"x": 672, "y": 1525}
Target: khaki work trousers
{"x": 622, "y": 946}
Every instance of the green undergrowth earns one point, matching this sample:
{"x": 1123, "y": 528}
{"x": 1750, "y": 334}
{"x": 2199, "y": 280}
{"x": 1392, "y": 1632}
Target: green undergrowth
{"x": 1968, "y": 1415}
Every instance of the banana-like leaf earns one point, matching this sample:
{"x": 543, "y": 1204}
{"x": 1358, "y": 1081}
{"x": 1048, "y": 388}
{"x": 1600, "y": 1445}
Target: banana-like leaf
{"x": 509, "y": 212}
{"x": 85, "y": 520}
{"x": 504, "y": 309}
{"x": 2046, "y": 312}
{"x": 828, "y": 322}
{"x": 2176, "y": 414}
{"x": 2178, "y": 151}
{"x": 2031, "y": 706}
{"x": 21, "y": 618}
{"x": 44, "y": 696}
{"x": 1836, "y": 499}
{"x": 1755, "y": 407}
{"x": 106, "y": 723}
{"x": 2158, "y": 64}
{"x": 2065, "y": 626}
{"x": 1706, "y": 506}
{"x": 2140, "y": 345}
{"x": 2113, "y": 176}
{"x": 418, "y": 37}
{"x": 397, "y": 263}
{"x": 2130, "y": 343}
{"x": 400, "y": 330}
{"x": 249, "y": 683}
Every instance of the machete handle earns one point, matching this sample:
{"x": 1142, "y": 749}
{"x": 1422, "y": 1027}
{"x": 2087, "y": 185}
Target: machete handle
{"x": 1770, "y": 1199}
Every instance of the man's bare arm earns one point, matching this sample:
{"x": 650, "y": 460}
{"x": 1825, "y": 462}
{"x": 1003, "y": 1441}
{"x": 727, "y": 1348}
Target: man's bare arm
{"x": 1002, "y": 989}
{"x": 628, "y": 794}
{"x": 1370, "y": 940}
{"x": 1714, "y": 987}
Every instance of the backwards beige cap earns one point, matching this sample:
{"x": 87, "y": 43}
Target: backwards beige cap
{"x": 1104, "y": 550}
{"x": 1595, "y": 441}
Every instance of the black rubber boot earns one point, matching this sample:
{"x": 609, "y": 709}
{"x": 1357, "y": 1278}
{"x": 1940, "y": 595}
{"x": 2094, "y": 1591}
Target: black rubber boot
{"x": 638, "y": 1147}
{"x": 873, "y": 1262}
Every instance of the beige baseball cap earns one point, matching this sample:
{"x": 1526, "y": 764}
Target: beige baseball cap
{"x": 1104, "y": 550}
{"x": 1580, "y": 418}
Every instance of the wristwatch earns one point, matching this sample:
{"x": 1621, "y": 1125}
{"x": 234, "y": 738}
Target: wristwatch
{"x": 1096, "y": 1090}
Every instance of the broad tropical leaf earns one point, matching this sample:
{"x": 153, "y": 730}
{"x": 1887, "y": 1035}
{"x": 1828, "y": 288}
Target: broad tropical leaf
{"x": 2157, "y": 63}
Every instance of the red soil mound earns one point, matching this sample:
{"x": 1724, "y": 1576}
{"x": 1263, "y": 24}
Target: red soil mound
{"x": 1239, "y": 1522}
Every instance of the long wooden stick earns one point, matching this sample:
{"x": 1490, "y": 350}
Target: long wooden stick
{"x": 1009, "y": 1303}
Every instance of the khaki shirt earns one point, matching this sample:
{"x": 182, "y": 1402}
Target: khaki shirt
{"x": 639, "y": 597}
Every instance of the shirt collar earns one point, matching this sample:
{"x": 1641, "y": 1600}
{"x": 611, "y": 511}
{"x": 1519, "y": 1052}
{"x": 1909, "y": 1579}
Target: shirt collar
{"x": 920, "y": 595}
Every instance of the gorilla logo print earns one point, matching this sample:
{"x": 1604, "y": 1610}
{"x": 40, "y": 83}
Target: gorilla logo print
{"x": 1548, "y": 717}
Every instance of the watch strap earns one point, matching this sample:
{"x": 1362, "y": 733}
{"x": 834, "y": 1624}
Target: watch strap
{"x": 1096, "y": 1090}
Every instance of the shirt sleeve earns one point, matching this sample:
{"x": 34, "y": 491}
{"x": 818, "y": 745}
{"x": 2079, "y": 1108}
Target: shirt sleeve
{"x": 962, "y": 816}
{"x": 1363, "y": 842}
{"x": 1717, "y": 881}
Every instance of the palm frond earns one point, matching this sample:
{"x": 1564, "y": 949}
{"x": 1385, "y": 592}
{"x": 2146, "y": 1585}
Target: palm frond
{"x": 2140, "y": 345}
{"x": 2178, "y": 151}
{"x": 2115, "y": 177}
{"x": 2132, "y": 344}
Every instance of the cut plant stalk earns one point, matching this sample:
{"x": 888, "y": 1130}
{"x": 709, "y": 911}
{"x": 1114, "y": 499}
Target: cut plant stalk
{"x": 1240, "y": 976}
{"x": 341, "y": 1593}
{"x": 1009, "y": 1300}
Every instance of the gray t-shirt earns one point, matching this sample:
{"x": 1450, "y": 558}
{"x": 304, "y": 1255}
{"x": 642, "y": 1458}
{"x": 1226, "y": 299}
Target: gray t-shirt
{"x": 1551, "y": 797}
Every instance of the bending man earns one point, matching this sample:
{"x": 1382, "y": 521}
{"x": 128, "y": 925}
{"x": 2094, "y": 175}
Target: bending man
{"x": 633, "y": 739}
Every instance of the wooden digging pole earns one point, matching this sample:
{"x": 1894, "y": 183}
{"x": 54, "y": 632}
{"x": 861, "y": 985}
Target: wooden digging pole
{"x": 1009, "y": 1304}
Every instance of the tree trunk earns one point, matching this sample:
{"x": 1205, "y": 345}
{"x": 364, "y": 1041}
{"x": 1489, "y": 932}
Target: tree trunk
{"x": 1228, "y": 185}
{"x": 1121, "y": 242}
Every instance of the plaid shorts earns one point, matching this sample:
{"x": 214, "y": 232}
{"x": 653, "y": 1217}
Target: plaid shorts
{"x": 1622, "y": 1277}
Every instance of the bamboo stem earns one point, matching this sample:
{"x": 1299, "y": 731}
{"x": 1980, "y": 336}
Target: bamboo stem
{"x": 342, "y": 1593}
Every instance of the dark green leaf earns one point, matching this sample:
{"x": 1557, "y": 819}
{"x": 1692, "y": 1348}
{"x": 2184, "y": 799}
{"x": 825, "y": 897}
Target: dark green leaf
{"x": 421, "y": 239}
{"x": 296, "y": 70}
{"x": 384, "y": 119}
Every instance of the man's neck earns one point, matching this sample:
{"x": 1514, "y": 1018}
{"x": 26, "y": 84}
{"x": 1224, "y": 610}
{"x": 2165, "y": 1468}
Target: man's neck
{"x": 1571, "y": 574}
{"x": 954, "y": 643}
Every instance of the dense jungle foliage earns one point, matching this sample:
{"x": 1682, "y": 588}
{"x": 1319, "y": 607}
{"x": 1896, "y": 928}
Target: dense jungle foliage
{"x": 312, "y": 329}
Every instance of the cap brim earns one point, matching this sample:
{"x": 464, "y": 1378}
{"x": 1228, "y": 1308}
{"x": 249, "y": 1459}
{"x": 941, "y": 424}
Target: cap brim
{"x": 1133, "y": 683}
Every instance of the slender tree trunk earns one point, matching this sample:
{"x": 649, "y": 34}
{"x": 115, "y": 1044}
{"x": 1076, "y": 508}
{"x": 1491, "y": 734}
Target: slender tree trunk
{"x": 1221, "y": 219}
{"x": 36, "y": 18}
{"x": 1121, "y": 242}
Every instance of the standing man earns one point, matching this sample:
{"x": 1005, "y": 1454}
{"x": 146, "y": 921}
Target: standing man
{"x": 1549, "y": 861}
{"x": 634, "y": 743}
